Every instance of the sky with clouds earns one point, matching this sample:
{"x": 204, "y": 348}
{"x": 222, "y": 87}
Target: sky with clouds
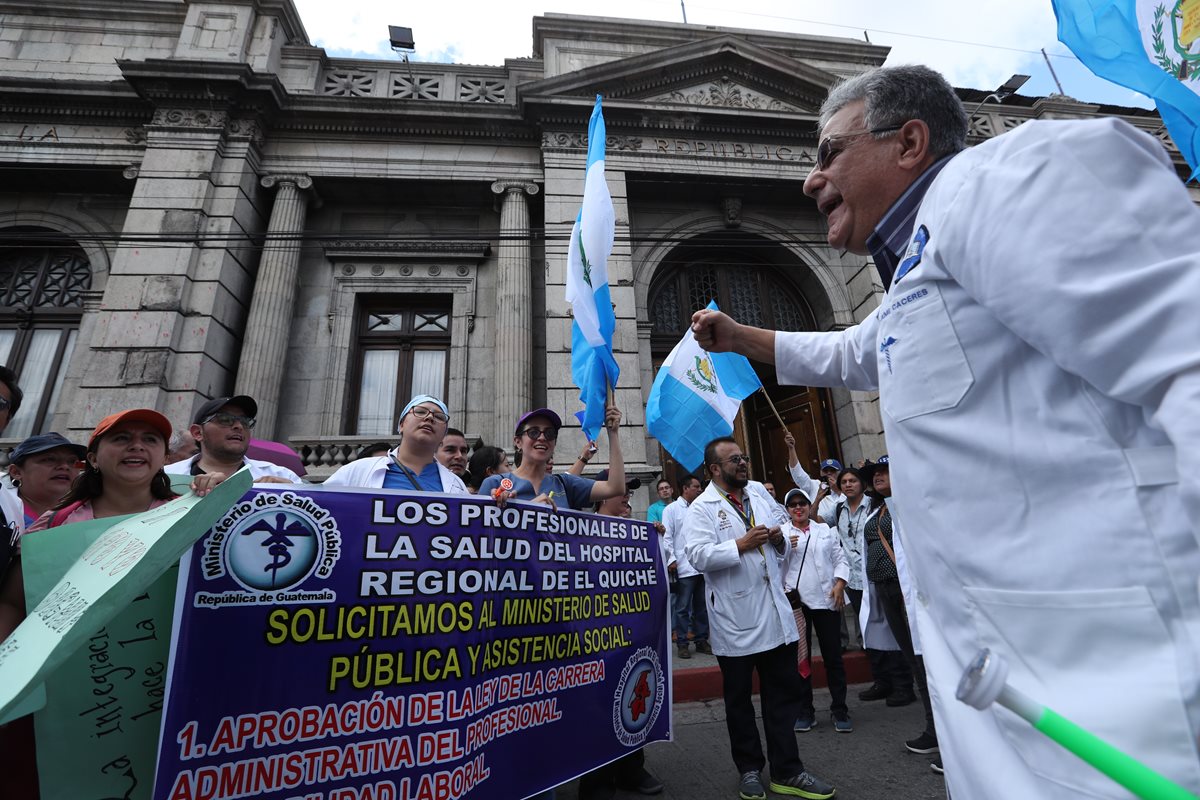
{"x": 975, "y": 43}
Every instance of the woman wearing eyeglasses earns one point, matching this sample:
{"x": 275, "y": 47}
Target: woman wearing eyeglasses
{"x": 534, "y": 439}
{"x": 411, "y": 466}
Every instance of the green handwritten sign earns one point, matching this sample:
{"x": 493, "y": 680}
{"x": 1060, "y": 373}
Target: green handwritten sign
{"x": 118, "y": 567}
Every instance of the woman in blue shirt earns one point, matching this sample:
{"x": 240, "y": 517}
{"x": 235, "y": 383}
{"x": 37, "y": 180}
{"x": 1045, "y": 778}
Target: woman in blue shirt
{"x": 535, "y": 438}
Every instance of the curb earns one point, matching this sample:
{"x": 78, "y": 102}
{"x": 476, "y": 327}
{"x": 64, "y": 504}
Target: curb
{"x": 704, "y": 683}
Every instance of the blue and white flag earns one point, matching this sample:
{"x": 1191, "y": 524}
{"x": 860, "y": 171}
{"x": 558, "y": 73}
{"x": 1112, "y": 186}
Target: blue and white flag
{"x": 1150, "y": 46}
{"x": 695, "y": 397}
{"x": 592, "y": 364}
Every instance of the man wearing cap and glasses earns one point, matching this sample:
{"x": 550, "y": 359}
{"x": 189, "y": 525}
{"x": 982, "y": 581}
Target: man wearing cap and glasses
{"x": 412, "y": 465}
{"x": 221, "y": 428}
{"x": 735, "y": 539}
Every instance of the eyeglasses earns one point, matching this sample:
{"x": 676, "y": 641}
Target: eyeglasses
{"x": 735, "y": 460}
{"x": 421, "y": 412}
{"x": 798, "y": 504}
{"x": 229, "y": 420}
{"x": 825, "y": 152}
{"x": 549, "y": 434}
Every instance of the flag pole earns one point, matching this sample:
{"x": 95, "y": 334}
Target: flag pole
{"x": 774, "y": 411}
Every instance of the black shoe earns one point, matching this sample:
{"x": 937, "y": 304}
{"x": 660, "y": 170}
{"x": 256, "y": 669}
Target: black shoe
{"x": 936, "y": 766}
{"x": 702, "y": 646}
{"x": 901, "y": 698}
{"x": 875, "y": 692}
{"x": 925, "y": 744}
{"x": 644, "y": 783}
{"x": 684, "y": 652}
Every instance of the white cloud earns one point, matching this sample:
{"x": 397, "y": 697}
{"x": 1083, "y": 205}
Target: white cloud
{"x": 977, "y": 44}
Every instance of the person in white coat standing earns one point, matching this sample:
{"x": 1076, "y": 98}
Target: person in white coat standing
{"x": 734, "y": 538}
{"x": 815, "y": 573}
{"x": 1038, "y": 338}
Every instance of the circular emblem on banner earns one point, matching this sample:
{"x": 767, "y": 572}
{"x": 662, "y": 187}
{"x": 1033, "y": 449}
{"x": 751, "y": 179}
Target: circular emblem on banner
{"x": 638, "y": 698}
{"x": 273, "y": 549}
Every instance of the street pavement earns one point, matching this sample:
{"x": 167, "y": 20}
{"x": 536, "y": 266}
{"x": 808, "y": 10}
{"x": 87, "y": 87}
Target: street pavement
{"x": 869, "y": 764}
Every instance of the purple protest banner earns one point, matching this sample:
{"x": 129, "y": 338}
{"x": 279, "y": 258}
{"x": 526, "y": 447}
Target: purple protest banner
{"x": 376, "y": 645}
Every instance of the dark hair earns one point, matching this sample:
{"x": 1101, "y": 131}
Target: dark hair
{"x": 376, "y": 449}
{"x": 455, "y": 432}
{"x": 710, "y": 449}
{"x": 90, "y": 483}
{"x": 686, "y": 481}
{"x": 9, "y": 379}
{"x": 851, "y": 471}
{"x": 661, "y": 481}
{"x": 482, "y": 460}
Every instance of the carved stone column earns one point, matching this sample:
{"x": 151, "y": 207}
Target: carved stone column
{"x": 514, "y": 310}
{"x": 264, "y": 346}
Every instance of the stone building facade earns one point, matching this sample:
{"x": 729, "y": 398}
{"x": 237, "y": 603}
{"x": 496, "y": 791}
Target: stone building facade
{"x": 198, "y": 201}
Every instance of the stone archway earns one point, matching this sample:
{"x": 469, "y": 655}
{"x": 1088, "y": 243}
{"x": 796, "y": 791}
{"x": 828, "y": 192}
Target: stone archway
{"x": 762, "y": 283}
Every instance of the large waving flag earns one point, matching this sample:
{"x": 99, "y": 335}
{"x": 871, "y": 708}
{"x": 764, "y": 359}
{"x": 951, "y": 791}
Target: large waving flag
{"x": 592, "y": 364}
{"x": 695, "y": 397}
{"x": 1149, "y": 46}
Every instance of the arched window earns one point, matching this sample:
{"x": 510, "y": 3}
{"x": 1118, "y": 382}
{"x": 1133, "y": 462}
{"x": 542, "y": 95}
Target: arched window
{"x": 43, "y": 278}
{"x": 751, "y": 292}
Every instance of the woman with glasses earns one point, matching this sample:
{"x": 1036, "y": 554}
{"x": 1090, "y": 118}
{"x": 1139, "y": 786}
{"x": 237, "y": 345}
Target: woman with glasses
{"x": 816, "y": 570}
{"x": 534, "y": 439}
{"x": 412, "y": 465}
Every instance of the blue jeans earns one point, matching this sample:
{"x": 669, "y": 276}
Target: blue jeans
{"x": 689, "y": 599}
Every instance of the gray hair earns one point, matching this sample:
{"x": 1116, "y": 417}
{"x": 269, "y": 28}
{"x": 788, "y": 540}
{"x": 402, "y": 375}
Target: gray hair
{"x": 179, "y": 438}
{"x": 895, "y": 95}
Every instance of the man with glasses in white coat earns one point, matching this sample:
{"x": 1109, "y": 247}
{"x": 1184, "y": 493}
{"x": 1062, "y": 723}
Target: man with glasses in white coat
{"x": 734, "y": 538}
{"x": 1039, "y": 338}
{"x": 222, "y": 429}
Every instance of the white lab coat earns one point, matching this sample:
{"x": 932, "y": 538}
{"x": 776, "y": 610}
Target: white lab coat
{"x": 258, "y": 469}
{"x": 747, "y": 610}
{"x": 674, "y": 516}
{"x": 820, "y": 550}
{"x": 368, "y": 473}
{"x": 1046, "y": 348}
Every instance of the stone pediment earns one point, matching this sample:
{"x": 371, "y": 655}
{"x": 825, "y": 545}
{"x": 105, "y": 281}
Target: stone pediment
{"x": 723, "y": 93}
{"x": 724, "y": 72}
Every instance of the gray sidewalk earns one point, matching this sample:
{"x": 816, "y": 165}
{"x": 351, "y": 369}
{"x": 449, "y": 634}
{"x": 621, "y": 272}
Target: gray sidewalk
{"x": 869, "y": 764}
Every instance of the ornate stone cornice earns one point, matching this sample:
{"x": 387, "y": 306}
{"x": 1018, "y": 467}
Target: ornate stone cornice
{"x": 298, "y": 180}
{"x": 408, "y": 249}
{"x": 180, "y": 118}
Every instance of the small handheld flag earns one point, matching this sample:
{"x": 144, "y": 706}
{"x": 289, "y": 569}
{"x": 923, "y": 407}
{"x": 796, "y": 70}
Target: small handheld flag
{"x": 695, "y": 397}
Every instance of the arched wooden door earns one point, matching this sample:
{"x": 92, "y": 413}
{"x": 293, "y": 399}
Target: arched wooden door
{"x": 756, "y": 291}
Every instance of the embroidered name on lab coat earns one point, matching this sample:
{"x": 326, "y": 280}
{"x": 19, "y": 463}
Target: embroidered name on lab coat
{"x": 911, "y": 297}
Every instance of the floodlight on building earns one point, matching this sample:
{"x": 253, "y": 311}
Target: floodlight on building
{"x": 401, "y": 38}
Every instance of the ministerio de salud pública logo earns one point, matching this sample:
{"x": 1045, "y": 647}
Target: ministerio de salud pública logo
{"x": 638, "y": 698}
{"x": 269, "y": 545}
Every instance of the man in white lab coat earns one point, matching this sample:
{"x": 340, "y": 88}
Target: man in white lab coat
{"x": 1039, "y": 338}
{"x": 734, "y": 539}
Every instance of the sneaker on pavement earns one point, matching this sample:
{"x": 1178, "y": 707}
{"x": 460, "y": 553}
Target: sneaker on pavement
{"x": 901, "y": 698}
{"x": 925, "y": 744}
{"x": 684, "y": 652}
{"x": 875, "y": 692}
{"x": 702, "y": 646}
{"x": 751, "y": 786}
{"x": 842, "y": 723}
{"x": 805, "y": 724}
{"x": 804, "y": 785}
{"x": 936, "y": 766}
{"x": 643, "y": 783}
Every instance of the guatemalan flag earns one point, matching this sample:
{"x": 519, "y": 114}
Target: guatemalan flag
{"x": 592, "y": 364}
{"x": 1150, "y": 46}
{"x": 695, "y": 397}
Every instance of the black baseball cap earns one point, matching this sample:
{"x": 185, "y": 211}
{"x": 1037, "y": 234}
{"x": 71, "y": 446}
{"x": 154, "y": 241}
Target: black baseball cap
{"x": 243, "y": 402}
{"x": 630, "y": 484}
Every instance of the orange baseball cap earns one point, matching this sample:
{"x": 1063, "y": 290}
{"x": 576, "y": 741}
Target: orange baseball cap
{"x": 146, "y": 415}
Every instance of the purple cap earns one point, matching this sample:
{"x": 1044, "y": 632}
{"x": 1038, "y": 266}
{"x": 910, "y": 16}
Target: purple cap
{"x": 539, "y": 412}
